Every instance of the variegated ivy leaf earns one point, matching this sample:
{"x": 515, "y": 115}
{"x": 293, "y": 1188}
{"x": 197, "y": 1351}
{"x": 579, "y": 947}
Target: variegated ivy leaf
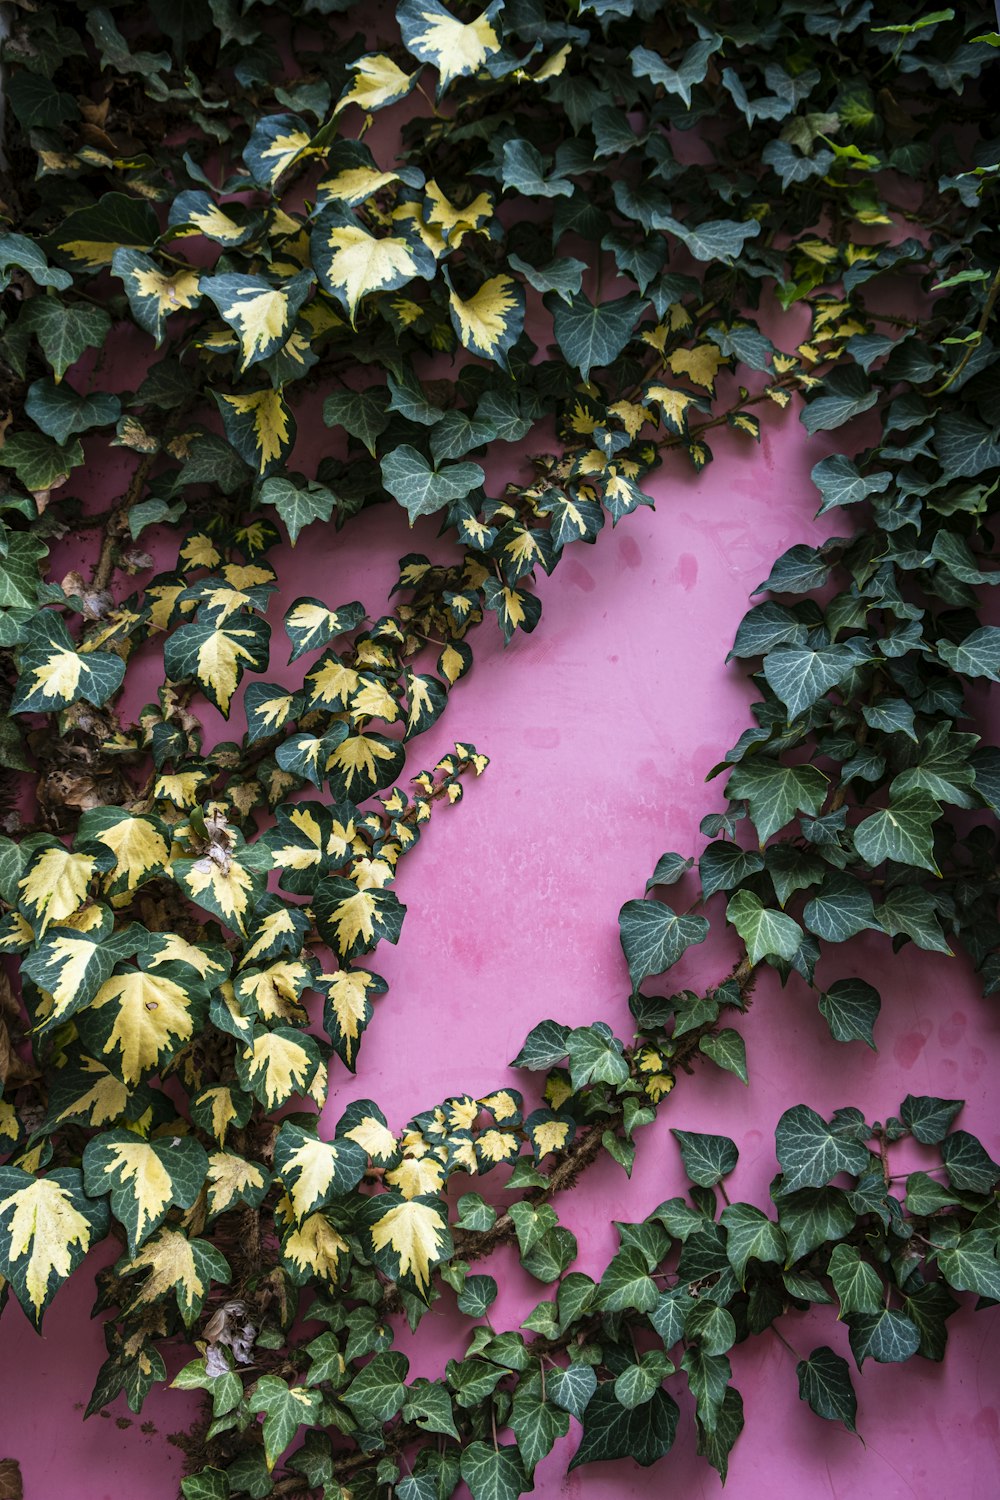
{"x": 174, "y": 1265}
{"x": 261, "y": 313}
{"x": 219, "y": 1107}
{"x": 490, "y": 322}
{"x": 154, "y": 293}
{"x": 225, "y": 882}
{"x": 362, "y": 764}
{"x": 273, "y": 993}
{"x": 548, "y": 1131}
{"x": 313, "y": 1171}
{"x": 407, "y": 1238}
{"x": 259, "y": 426}
{"x": 353, "y": 921}
{"x": 426, "y": 701}
{"x": 514, "y": 608}
{"x": 311, "y": 624}
{"x": 313, "y": 1248}
{"x": 139, "y": 844}
{"x": 377, "y": 81}
{"x": 347, "y": 1008}
{"x": 276, "y": 143}
{"x": 218, "y": 598}
{"x": 363, "y": 1122}
{"x": 47, "y": 1226}
{"x": 355, "y": 176}
{"x": 54, "y": 673}
{"x": 227, "y": 1015}
{"x": 72, "y": 966}
{"x": 85, "y": 1090}
{"x": 275, "y": 929}
{"x": 456, "y": 48}
{"x": 233, "y": 1180}
{"x": 352, "y": 264}
{"x": 196, "y": 212}
{"x": 309, "y": 840}
{"x": 269, "y": 709}
{"x": 145, "y": 1179}
{"x": 280, "y": 1064}
{"x": 216, "y": 655}
{"x": 207, "y": 961}
{"x": 309, "y": 755}
{"x": 88, "y": 238}
{"x": 56, "y": 884}
{"x": 139, "y": 1019}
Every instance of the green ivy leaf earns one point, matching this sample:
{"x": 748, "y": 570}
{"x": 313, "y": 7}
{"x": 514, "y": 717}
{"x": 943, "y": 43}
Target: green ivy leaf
{"x": 654, "y": 937}
{"x": 494, "y": 1472}
{"x": 811, "y": 1153}
{"x": 765, "y": 932}
{"x": 610, "y": 1430}
{"x": 422, "y": 490}
{"x": 887, "y": 1336}
{"x": 707, "y": 1158}
{"x": 825, "y": 1383}
{"x": 850, "y": 1008}
{"x": 592, "y": 337}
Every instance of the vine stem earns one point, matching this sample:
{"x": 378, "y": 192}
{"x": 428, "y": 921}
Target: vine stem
{"x": 990, "y": 303}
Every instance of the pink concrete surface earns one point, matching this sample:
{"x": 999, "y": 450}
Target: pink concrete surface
{"x": 601, "y": 728}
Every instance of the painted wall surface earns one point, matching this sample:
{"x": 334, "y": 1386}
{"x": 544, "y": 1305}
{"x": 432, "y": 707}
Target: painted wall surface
{"x": 601, "y": 728}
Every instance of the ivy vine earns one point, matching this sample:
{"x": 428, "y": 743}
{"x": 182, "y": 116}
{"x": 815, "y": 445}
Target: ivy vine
{"x": 505, "y": 303}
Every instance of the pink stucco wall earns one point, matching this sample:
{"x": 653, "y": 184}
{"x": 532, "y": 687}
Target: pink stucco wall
{"x": 601, "y": 728}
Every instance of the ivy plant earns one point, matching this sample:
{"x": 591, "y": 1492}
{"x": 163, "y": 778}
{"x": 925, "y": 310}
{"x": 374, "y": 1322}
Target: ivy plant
{"x": 505, "y": 304}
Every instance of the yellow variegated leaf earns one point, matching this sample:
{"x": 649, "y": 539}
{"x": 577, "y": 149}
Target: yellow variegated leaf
{"x": 142, "y": 1020}
{"x": 137, "y": 1164}
{"x": 414, "y": 1179}
{"x": 55, "y": 886}
{"x": 278, "y": 1064}
{"x": 354, "y": 184}
{"x": 453, "y": 222}
{"x": 374, "y": 1137}
{"x": 673, "y": 405}
{"x": 139, "y": 849}
{"x": 232, "y": 1180}
{"x": 99, "y": 1097}
{"x": 170, "y": 947}
{"x": 377, "y": 81}
{"x": 314, "y": 1248}
{"x": 490, "y": 322}
{"x": 215, "y": 1109}
{"x": 700, "y": 365}
{"x": 275, "y": 990}
{"x": 179, "y": 787}
{"x": 549, "y": 1135}
{"x": 350, "y": 919}
{"x": 456, "y": 48}
{"x": 260, "y": 427}
{"x": 408, "y": 1238}
{"x": 274, "y": 926}
{"x": 179, "y": 1267}
{"x": 502, "y": 1105}
{"x": 47, "y": 1225}
{"x": 354, "y": 263}
{"x": 227, "y": 891}
{"x": 332, "y": 682}
{"x": 497, "y": 1145}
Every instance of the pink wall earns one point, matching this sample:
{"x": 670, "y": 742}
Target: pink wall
{"x": 601, "y": 728}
